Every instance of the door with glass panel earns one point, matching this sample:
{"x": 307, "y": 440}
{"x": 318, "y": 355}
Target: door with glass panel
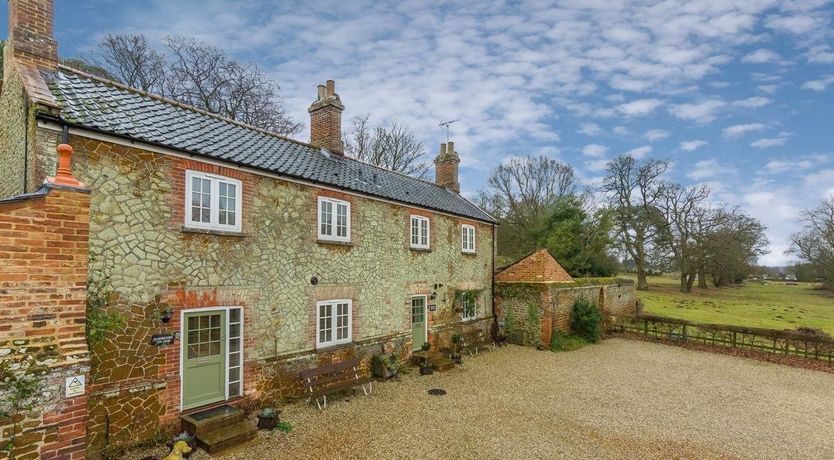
{"x": 204, "y": 362}
{"x": 418, "y": 322}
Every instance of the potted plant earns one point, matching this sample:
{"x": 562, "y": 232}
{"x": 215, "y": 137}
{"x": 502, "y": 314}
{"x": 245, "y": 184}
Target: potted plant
{"x": 426, "y": 346}
{"x": 385, "y": 365}
{"x": 187, "y": 438}
{"x": 268, "y": 418}
{"x": 455, "y": 355}
{"x": 425, "y": 368}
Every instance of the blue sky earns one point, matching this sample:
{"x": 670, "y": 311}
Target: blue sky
{"x": 739, "y": 95}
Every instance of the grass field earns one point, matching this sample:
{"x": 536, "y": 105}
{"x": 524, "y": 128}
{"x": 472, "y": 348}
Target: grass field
{"x": 773, "y": 306}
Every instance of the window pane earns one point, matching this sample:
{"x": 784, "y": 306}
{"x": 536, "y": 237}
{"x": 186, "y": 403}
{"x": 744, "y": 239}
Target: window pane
{"x": 234, "y": 345}
{"x": 234, "y": 360}
{"x": 215, "y": 334}
{"x": 234, "y": 315}
{"x": 192, "y": 352}
{"x": 234, "y": 373}
{"x": 215, "y": 320}
{"x": 193, "y": 322}
{"x": 234, "y": 389}
{"x": 214, "y": 348}
{"x": 204, "y": 322}
{"x": 204, "y": 349}
{"x": 234, "y": 330}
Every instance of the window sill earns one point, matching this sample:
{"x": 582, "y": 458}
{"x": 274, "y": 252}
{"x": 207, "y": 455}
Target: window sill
{"x": 416, "y": 249}
{"x": 469, "y": 253}
{"x": 329, "y": 348}
{"x": 211, "y": 231}
{"x": 334, "y": 242}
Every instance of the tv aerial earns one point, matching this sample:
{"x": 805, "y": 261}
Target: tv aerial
{"x": 446, "y": 124}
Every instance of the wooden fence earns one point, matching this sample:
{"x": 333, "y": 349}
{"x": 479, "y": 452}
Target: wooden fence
{"x": 808, "y": 343}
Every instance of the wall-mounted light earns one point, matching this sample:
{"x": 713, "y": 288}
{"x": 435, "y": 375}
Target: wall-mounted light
{"x": 314, "y": 280}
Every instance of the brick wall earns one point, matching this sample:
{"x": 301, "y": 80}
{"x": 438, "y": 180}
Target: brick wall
{"x": 43, "y": 279}
{"x": 537, "y": 267}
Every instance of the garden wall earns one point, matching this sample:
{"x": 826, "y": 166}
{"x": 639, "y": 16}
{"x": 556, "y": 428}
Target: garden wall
{"x": 43, "y": 279}
{"x": 532, "y": 311}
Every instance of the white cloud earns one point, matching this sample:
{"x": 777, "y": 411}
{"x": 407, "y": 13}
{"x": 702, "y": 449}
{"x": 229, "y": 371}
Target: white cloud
{"x": 640, "y": 152}
{"x": 752, "y": 102}
{"x": 594, "y": 150}
{"x": 691, "y": 146}
{"x": 766, "y": 142}
{"x": 741, "y": 130}
{"x": 596, "y": 165}
{"x": 589, "y": 129}
{"x": 707, "y": 169}
{"x": 794, "y": 24}
{"x": 819, "y": 85}
{"x": 656, "y": 134}
{"x": 769, "y": 89}
{"x": 821, "y": 54}
{"x": 700, "y": 112}
{"x": 639, "y": 107}
{"x": 761, "y": 56}
{"x": 796, "y": 164}
{"x": 621, "y": 130}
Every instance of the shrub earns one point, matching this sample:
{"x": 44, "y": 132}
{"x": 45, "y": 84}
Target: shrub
{"x": 586, "y": 320}
{"x": 561, "y": 341}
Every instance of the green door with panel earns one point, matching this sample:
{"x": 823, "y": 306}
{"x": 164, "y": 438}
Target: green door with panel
{"x": 204, "y": 363}
{"x": 418, "y": 322}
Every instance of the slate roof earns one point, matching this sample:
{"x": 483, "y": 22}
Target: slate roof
{"x": 89, "y": 102}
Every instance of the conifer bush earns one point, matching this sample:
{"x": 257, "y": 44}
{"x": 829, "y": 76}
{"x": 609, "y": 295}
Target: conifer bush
{"x": 586, "y": 320}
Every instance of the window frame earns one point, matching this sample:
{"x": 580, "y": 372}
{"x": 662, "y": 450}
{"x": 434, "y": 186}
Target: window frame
{"x": 464, "y": 240}
{"x": 334, "y": 313}
{"x": 474, "y": 316}
{"x": 334, "y": 237}
{"x": 214, "y": 204}
{"x": 420, "y": 219}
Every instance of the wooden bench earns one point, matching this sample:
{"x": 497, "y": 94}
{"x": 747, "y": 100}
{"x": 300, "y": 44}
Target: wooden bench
{"x": 471, "y": 343}
{"x": 322, "y": 380}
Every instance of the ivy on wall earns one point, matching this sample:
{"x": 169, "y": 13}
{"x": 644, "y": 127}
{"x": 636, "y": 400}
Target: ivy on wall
{"x": 100, "y": 322}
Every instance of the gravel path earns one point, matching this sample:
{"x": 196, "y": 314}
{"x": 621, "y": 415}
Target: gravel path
{"x": 618, "y": 399}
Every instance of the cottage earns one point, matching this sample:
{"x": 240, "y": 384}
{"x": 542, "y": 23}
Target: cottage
{"x": 224, "y": 257}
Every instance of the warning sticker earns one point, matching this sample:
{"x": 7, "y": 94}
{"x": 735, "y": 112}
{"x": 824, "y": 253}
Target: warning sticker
{"x": 74, "y": 386}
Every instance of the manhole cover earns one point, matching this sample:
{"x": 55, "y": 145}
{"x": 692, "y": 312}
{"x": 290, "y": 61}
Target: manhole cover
{"x": 437, "y": 392}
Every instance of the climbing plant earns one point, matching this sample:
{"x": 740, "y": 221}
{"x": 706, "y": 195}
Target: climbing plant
{"x": 18, "y": 395}
{"x": 468, "y": 295}
{"x": 534, "y": 325}
{"x": 100, "y": 322}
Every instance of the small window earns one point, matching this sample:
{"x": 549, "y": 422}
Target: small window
{"x": 212, "y": 202}
{"x": 467, "y": 238}
{"x": 420, "y": 232}
{"x": 470, "y": 309}
{"x": 334, "y": 220}
{"x": 334, "y": 322}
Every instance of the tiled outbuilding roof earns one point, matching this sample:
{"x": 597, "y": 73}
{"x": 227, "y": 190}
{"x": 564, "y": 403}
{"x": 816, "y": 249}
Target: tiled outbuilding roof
{"x": 538, "y": 267}
{"x": 89, "y": 102}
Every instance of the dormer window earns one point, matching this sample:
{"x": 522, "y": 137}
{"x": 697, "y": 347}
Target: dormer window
{"x": 212, "y": 202}
{"x": 420, "y": 238}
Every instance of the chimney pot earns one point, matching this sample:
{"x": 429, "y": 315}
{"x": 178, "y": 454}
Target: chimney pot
{"x": 442, "y": 150}
{"x": 450, "y": 150}
{"x": 64, "y": 175}
{"x": 331, "y": 88}
{"x": 322, "y": 92}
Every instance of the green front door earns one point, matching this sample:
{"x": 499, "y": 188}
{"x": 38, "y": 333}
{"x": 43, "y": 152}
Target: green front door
{"x": 204, "y": 366}
{"x": 418, "y": 322}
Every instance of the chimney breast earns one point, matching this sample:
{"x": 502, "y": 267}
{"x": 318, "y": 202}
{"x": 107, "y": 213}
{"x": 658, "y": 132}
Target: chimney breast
{"x": 30, "y": 32}
{"x": 446, "y": 167}
{"x": 326, "y": 119}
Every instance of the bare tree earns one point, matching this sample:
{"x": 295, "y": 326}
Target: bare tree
{"x": 684, "y": 220}
{"x": 521, "y": 190}
{"x": 393, "y": 146}
{"x": 523, "y": 193}
{"x": 815, "y": 242}
{"x": 132, "y": 60}
{"x": 632, "y": 190}
{"x": 197, "y": 74}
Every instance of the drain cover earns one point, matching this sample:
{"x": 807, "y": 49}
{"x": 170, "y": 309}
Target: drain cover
{"x": 437, "y": 392}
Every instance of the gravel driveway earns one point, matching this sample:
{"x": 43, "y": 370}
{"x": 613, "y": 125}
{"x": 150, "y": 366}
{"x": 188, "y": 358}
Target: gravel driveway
{"x": 618, "y": 399}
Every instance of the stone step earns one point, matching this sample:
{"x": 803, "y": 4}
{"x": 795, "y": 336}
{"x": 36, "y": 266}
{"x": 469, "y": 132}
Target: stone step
{"x": 227, "y": 436}
{"x": 441, "y": 363}
{"x": 211, "y": 420}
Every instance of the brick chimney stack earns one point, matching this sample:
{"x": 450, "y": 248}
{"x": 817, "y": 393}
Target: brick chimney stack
{"x": 446, "y": 167}
{"x": 326, "y": 119}
{"x": 31, "y": 37}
